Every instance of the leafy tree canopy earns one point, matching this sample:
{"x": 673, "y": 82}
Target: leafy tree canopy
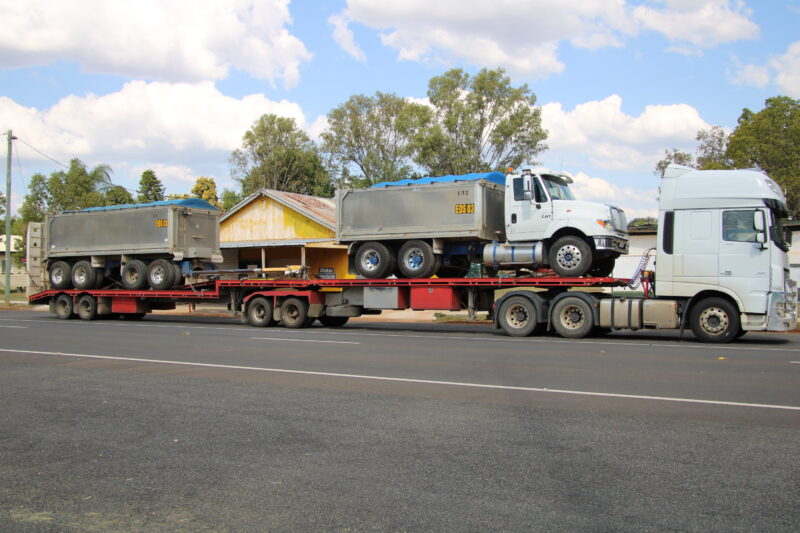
{"x": 150, "y": 188}
{"x": 371, "y": 139}
{"x": 276, "y": 154}
{"x": 206, "y": 189}
{"x": 480, "y": 123}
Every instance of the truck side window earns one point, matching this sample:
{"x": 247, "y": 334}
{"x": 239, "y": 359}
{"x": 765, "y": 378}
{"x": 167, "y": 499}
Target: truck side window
{"x": 538, "y": 191}
{"x": 737, "y": 226}
{"x": 669, "y": 231}
{"x": 519, "y": 189}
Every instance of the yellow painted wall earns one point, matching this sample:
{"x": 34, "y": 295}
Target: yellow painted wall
{"x": 264, "y": 219}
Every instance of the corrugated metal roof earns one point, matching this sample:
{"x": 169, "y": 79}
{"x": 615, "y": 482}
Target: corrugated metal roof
{"x": 320, "y": 210}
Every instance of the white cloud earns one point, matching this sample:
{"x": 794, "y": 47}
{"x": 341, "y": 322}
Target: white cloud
{"x": 524, "y": 37}
{"x": 635, "y": 202}
{"x": 614, "y": 140}
{"x": 753, "y": 75}
{"x": 703, "y": 23}
{"x": 184, "y": 129}
{"x": 344, "y": 37}
{"x": 787, "y": 70}
{"x": 170, "y": 40}
{"x": 783, "y": 70}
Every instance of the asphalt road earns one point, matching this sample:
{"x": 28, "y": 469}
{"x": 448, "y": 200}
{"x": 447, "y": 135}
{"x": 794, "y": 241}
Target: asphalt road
{"x": 192, "y": 424}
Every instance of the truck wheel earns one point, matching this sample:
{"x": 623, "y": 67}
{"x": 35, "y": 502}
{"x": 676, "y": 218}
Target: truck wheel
{"x": 161, "y": 275}
{"x": 100, "y": 277}
{"x": 417, "y": 260}
{"x": 715, "y": 320}
{"x": 518, "y": 317}
{"x": 294, "y": 313}
{"x": 259, "y": 312}
{"x": 374, "y": 260}
{"x": 134, "y": 275}
{"x": 87, "y": 307}
{"x": 60, "y": 275}
{"x": 333, "y": 321}
{"x": 570, "y": 257}
{"x": 602, "y": 268}
{"x": 178, "y": 274}
{"x": 572, "y": 318}
{"x": 63, "y": 307}
{"x": 83, "y": 275}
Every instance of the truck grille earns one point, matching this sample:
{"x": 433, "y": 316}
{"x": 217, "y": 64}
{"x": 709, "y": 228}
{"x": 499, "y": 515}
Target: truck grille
{"x": 618, "y": 220}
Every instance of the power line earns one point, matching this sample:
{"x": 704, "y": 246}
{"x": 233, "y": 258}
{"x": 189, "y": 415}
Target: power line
{"x": 42, "y": 153}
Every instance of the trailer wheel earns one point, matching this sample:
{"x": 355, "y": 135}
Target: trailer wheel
{"x": 178, "y": 274}
{"x": 83, "y": 275}
{"x": 294, "y": 313}
{"x": 572, "y": 318}
{"x": 63, "y": 307}
{"x": 570, "y": 257}
{"x": 715, "y": 320}
{"x": 417, "y": 260}
{"x": 134, "y": 275}
{"x": 518, "y": 317}
{"x": 60, "y": 275}
{"x": 87, "y": 307}
{"x": 259, "y": 312}
{"x": 333, "y": 321}
{"x": 374, "y": 260}
{"x": 100, "y": 277}
{"x": 161, "y": 275}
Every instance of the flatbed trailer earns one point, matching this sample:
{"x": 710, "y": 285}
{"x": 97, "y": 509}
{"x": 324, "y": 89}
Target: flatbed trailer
{"x": 297, "y": 303}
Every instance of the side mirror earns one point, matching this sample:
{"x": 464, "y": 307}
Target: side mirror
{"x": 527, "y": 195}
{"x": 758, "y": 222}
{"x": 761, "y": 238}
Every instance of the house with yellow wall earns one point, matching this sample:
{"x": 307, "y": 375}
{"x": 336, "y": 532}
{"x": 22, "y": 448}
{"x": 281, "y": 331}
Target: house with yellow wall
{"x": 273, "y": 229}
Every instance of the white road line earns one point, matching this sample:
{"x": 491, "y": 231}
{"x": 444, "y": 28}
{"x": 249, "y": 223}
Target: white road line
{"x": 17, "y": 327}
{"x": 414, "y": 381}
{"x": 300, "y": 340}
{"x": 494, "y": 339}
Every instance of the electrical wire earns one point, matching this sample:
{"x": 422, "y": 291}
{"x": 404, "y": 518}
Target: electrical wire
{"x": 42, "y": 153}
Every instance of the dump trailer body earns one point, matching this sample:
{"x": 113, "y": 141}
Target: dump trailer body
{"x": 179, "y": 229}
{"x": 459, "y": 210}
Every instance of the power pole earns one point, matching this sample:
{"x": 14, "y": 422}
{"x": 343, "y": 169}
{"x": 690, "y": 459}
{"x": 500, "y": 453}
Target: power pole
{"x": 8, "y": 220}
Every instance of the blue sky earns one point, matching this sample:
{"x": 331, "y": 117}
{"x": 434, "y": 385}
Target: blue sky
{"x": 173, "y": 85}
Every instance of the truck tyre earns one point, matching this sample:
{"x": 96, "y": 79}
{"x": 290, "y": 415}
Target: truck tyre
{"x": 87, "y": 307}
{"x": 63, "y": 307}
{"x": 178, "y": 274}
{"x": 570, "y": 257}
{"x": 83, "y": 276}
{"x": 134, "y": 275}
{"x": 715, "y": 320}
{"x": 602, "y": 268}
{"x": 294, "y": 313}
{"x": 333, "y": 321}
{"x": 60, "y": 274}
{"x": 417, "y": 260}
{"x": 374, "y": 260}
{"x": 161, "y": 275}
{"x": 517, "y": 317}
{"x": 100, "y": 277}
{"x": 572, "y": 318}
{"x": 259, "y": 312}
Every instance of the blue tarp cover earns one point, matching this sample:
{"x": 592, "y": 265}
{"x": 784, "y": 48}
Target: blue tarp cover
{"x": 495, "y": 177}
{"x": 185, "y": 202}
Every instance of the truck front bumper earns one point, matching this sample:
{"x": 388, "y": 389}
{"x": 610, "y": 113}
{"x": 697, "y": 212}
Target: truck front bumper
{"x": 613, "y": 244}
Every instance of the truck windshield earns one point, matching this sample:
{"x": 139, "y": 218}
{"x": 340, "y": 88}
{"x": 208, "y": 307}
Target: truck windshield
{"x": 558, "y": 188}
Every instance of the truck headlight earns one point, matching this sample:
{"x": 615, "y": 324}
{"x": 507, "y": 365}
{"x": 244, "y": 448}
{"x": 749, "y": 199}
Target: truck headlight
{"x": 605, "y": 224}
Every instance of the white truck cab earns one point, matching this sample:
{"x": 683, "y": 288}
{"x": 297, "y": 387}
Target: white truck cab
{"x": 540, "y": 207}
{"x": 721, "y": 233}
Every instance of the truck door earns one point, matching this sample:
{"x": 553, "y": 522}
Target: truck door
{"x": 744, "y": 262}
{"x": 695, "y": 261}
{"x": 530, "y": 210}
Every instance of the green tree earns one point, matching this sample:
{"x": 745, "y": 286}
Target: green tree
{"x": 78, "y": 187}
{"x": 150, "y": 188}
{"x": 371, "y": 139}
{"x": 34, "y": 206}
{"x": 229, "y": 198}
{"x": 276, "y": 154}
{"x": 117, "y": 195}
{"x": 206, "y": 189}
{"x": 673, "y": 156}
{"x": 480, "y": 123}
{"x": 710, "y": 153}
{"x": 2, "y": 204}
{"x": 769, "y": 139}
